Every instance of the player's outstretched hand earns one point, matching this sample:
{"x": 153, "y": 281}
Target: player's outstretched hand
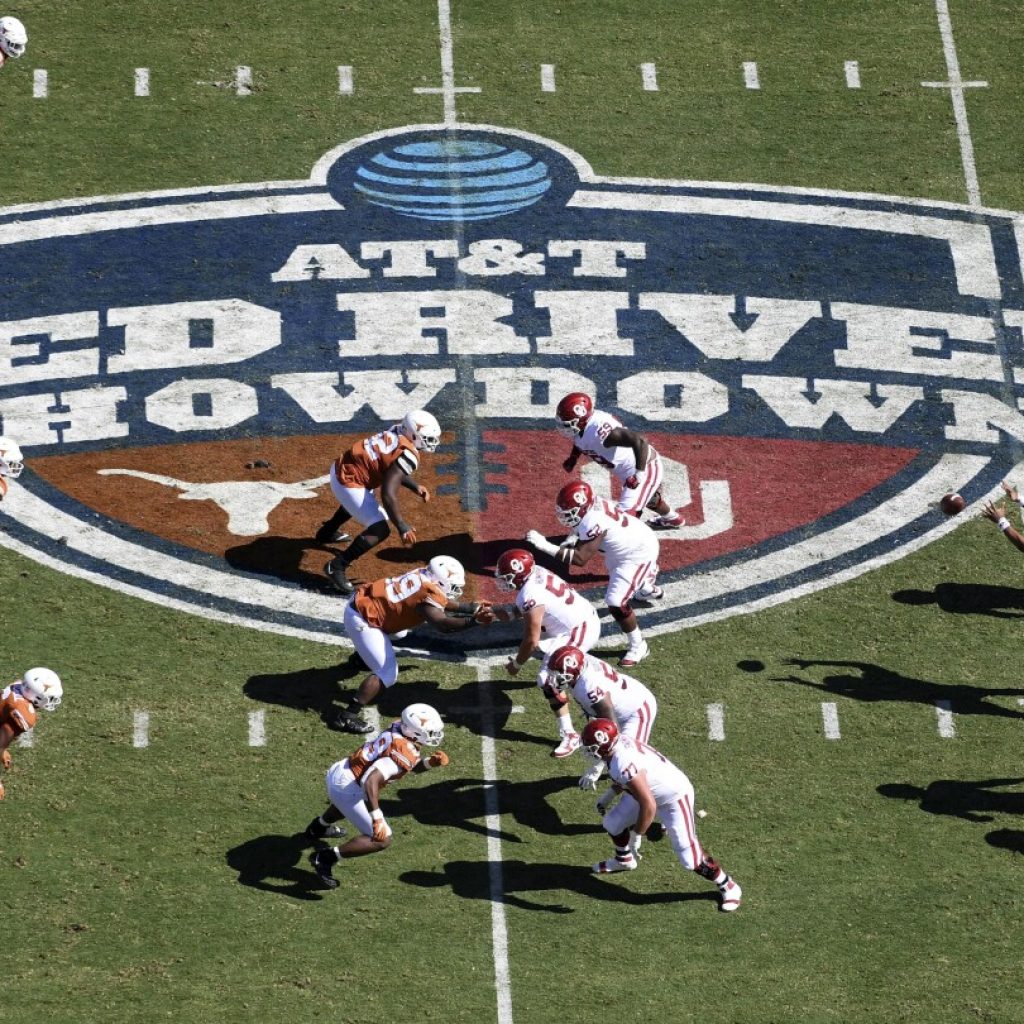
{"x": 990, "y": 510}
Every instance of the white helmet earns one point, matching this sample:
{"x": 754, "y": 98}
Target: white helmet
{"x": 449, "y": 574}
{"x": 13, "y": 37}
{"x": 10, "y": 457}
{"x": 422, "y": 429}
{"x": 42, "y": 687}
{"x": 420, "y": 722}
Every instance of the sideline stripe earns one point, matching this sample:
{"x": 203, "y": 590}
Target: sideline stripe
{"x": 716, "y": 722}
{"x": 257, "y": 729}
{"x": 944, "y": 716}
{"x": 956, "y": 93}
{"x": 142, "y": 81}
{"x": 649, "y": 73}
{"x": 40, "y": 84}
{"x": 852, "y": 69}
{"x": 750, "y": 79}
{"x": 492, "y": 823}
{"x": 140, "y": 729}
{"x": 345, "y": 79}
{"x": 830, "y": 720}
{"x": 547, "y": 77}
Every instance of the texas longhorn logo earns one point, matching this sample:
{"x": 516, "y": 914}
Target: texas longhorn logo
{"x": 815, "y": 369}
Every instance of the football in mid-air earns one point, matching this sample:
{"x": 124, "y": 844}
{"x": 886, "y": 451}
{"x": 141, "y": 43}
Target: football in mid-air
{"x": 952, "y": 503}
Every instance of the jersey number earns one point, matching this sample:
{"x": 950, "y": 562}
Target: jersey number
{"x": 400, "y": 587}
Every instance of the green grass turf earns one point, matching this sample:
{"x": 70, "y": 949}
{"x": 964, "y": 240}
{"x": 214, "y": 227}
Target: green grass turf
{"x": 164, "y": 883}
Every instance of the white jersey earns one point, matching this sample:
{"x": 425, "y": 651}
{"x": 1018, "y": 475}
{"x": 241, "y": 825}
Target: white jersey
{"x": 626, "y": 538}
{"x": 621, "y": 461}
{"x": 566, "y": 612}
{"x": 668, "y": 783}
{"x": 599, "y": 680}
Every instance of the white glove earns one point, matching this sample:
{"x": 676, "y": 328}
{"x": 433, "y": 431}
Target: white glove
{"x": 541, "y": 543}
{"x": 589, "y": 779}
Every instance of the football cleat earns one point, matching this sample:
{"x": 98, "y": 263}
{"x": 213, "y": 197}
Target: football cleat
{"x": 635, "y": 655}
{"x": 330, "y": 534}
{"x": 570, "y": 742}
{"x": 336, "y": 574}
{"x": 323, "y": 870}
{"x": 669, "y": 522}
{"x": 609, "y": 867}
{"x": 649, "y": 594}
{"x": 349, "y": 721}
{"x": 731, "y": 896}
{"x": 315, "y": 831}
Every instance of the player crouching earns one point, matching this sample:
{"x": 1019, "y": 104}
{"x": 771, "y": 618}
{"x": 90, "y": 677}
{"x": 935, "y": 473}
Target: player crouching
{"x": 38, "y": 690}
{"x": 354, "y": 785}
{"x": 652, "y": 787}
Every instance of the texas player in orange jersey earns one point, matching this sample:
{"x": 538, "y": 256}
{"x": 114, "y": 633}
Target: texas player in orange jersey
{"x": 354, "y": 785}
{"x": 386, "y": 460}
{"x": 393, "y": 606}
{"x": 39, "y": 689}
{"x": 13, "y": 39}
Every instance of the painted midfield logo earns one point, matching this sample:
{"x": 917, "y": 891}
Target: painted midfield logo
{"x": 815, "y": 369}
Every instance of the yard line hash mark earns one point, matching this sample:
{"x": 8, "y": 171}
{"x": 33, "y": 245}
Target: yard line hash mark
{"x": 140, "y": 729}
{"x": 547, "y": 78}
{"x": 257, "y": 729}
{"x": 716, "y": 722}
{"x": 852, "y": 70}
{"x": 649, "y": 75}
{"x": 830, "y": 720}
{"x": 142, "y": 81}
{"x": 750, "y": 77}
{"x": 40, "y": 84}
{"x": 25, "y": 739}
{"x": 345, "y": 79}
{"x": 448, "y": 89}
{"x": 492, "y": 824}
{"x": 944, "y": 717}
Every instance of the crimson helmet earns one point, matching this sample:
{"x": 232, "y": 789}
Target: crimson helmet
{"x": 513, "y": 569}
{"x": 573, "y": 502}
{"x": 573, "y": 412}
{"x": 599, "y": 737}
{"x": 565, "y": 666}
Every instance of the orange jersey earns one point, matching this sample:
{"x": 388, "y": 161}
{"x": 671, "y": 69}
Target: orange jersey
{"x": 393, "y": 604}
{"x": 3, "y": 486}
{"x": 16, "y": 712}
{"x": 401, "y": 750}
{"x": 364, "y": 464}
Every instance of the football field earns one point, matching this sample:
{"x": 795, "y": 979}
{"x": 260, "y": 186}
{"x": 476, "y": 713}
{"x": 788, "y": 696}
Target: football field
{"x": 782, "y": 240}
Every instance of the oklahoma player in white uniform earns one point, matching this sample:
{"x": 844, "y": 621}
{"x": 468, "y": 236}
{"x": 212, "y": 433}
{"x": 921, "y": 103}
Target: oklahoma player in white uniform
{"x": 631, "y": 459}
{"x": 630, "y": 548}
{"x": 601, "y": 692}
{"x": 354, "y": 785}
{"x": 653, "y": 787}
{"x": 547, "y": 605}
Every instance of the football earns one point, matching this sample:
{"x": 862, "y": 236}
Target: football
{"x": 952, "y": 503}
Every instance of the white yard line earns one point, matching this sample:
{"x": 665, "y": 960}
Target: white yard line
{"x": 40, "y": 84}
{"x": 25, "y": 739}
{"x": 345, "y": 86}
{"x": 830, "y": 720}
{"x": 852, "y": 71}
{"x": 492, "y": 823}
{"x": 716, "y": 722}
{"x": 142, "y": 81}
{"x": 944, "y": 717}
{"x": 140, "y": 729}
{"x": 243, "y": 80}
{"x": 750, "y": 77}
{"x": 649, "y": 75}
{"x": 956, "y": 86}
{"x": 257, "y": 728}
{"x": 547, "y": 78}
{"x": 449, "y": 90}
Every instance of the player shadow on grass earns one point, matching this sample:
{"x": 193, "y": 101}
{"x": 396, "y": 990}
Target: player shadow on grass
{"x": 276, "y": 863}
{"x": 868, "y": 682}
{"x": 281, "y": 557}
{"x": 472, "y": 880}
{"x": 307, "y": 689}
{"x": 969, "y": 599}
{"x": 459, "y": 803}
{"x": 977, "y": 802}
